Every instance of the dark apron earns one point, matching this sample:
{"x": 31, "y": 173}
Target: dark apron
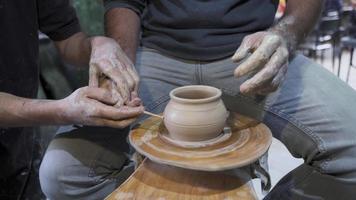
{"x": 16, "y": 152}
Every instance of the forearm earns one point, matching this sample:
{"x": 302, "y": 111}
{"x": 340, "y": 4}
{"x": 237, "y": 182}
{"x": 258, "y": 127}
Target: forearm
{"x": 76, "y": 49}
{"x": 123, "y": 25}
{"x": 17, "y": 111}
{"x": 299, "y": 19}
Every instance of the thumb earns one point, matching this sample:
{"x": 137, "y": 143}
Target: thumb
{"x": 93, "y": 76}
{"x": 101, "y": 95}
{"x": 242, "y": 52}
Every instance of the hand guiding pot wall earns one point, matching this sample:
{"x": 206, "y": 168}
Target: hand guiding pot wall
{"x": 263, "y": 53}
{"x": 108, "y": 59}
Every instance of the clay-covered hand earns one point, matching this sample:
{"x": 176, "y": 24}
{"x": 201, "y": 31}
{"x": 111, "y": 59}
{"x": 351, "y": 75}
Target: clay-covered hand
{"x": 109, "y": 85}
{"x": 266, "y": 55}
{"x": 108, "y": 59}
{"x": 93, "y": 106}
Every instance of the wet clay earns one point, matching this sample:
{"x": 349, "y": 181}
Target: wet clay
{"x": 195, "y": 113}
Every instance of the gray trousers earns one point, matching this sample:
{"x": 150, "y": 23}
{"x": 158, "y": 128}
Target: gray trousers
{"x": 312, "y": 113}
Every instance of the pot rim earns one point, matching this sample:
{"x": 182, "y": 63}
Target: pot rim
{"x": 216, "y": 96}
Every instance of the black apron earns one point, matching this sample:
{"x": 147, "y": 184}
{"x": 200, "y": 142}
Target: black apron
{"x": 16, "y": 152}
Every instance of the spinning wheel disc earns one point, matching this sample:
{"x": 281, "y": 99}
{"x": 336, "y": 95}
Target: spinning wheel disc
{"x": 248, "y": 141}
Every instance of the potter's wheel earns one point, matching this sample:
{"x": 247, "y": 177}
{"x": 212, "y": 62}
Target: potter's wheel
{"x": 223, "y": 136}
{"x": 241, "y": 144}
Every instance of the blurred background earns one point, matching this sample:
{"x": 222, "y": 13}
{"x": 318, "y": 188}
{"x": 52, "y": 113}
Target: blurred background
{"x": 331, "y": 44}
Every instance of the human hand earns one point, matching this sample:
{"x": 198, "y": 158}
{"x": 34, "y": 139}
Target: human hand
{"x": 93, "y": 106}
{"x": 107, "y": 58}
{"x": 109, "y": 85}
{"x": 267, "y": 56}
{"x": 353, "y": 3}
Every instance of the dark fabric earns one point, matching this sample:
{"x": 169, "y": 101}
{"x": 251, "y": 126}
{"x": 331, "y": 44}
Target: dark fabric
{"x": 20, "y": 21}
{"x": 16, "y": 149}
{"x": 332, "y": 5}
{"x": 200, "y": 29}
{"x": 353, "y": 23}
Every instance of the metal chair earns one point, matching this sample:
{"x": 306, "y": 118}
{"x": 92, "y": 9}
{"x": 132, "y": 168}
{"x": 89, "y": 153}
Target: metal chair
{"x": 347, "y": 41}
{"x": 325, "y": 36}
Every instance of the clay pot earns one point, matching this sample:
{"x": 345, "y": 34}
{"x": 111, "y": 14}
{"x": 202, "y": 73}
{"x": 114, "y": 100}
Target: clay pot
{"x": 195, "y": 113}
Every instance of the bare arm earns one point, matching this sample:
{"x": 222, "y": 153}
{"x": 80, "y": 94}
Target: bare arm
{"x": 299, "y": 19}
{"x": 268, "y": 52}
{"x": 17, "y": 111}
{"x": 75, "y": 49}
{"x": 105, "y": 56}
{"x": 123, "y": 25}
{"x": 87, "y": 106}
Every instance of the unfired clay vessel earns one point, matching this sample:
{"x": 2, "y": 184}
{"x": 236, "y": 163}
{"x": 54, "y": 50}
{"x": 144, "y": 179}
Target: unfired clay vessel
{"x": 195, "y": 113}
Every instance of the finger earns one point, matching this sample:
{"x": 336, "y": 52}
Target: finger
{"x": 126, "y": 74}
{"x": 281, "y": 75}
{"x": 275, "y": 83}
{"x": 134, "y": 78}
{"x": 121, "y": 85}
{"x": 116, "y": 94}
{"x": 93, "y": 76}
{"x": 244, "y": 49}
{"x": 266, "y": 75}
{"x": 114, "y": 73}
{"x": 260, "y": 57}
{"x": 134, "y": 95}
{"x": 132, "y": 71}
{"x": 135, "y": 102}
{"x": 112, "y": 113}
{"x": 100, "y": 94}
{"x": 113, "y": 123}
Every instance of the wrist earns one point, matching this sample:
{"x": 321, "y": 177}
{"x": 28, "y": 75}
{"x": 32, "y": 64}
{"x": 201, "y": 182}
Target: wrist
{"x": 284, "y": 29}
{"x": 39, "y": 112}
{"x": 59, "y": 111}
{"x": 289, "y": 39}
{"x": 99, "y": 40}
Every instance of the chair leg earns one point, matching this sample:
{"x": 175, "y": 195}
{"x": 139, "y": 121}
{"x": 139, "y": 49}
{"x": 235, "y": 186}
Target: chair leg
{"x": 333, "y": 58}
{"x": 350, "y": 65}
{"x": 340, "y": 55}
{"x": 322, "y": 56}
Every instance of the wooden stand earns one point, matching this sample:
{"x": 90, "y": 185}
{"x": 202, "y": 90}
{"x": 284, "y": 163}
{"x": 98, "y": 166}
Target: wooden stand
{"x": 152, "y": 181}
{"x": 194, "y": 174}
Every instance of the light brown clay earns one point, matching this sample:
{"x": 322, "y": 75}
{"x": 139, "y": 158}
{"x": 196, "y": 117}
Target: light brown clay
{"x": 248, "y": 141}
{"x": 195, "y": 113}
{"x": 152, "y": 181}
{"x": 225, "y": 135}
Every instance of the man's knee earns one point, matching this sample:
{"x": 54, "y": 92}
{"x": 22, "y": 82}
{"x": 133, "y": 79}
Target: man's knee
{"x": 64, "y": 177}
{"x": 51, "y": 171}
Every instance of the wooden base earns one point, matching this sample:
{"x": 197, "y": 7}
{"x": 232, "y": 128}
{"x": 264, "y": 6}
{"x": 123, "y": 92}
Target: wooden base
{"x": 152, "y": 181}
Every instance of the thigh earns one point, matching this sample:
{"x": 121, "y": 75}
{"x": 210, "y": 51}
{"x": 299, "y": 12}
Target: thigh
{"x": 85, "y": 163}
{"x": 311, "y": 113}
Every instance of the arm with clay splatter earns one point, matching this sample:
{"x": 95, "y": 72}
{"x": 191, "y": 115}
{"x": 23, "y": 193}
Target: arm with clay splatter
{"x": 269, "y": 52}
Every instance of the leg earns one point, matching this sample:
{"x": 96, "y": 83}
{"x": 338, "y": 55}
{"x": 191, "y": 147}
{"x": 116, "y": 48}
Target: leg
{"x": 85, "y": 163}
{"x": 311, "y": 114}
{"x": 90, "y": 162}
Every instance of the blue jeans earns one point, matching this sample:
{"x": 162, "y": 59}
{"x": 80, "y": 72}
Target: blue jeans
{"x": 311, "y": 113}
